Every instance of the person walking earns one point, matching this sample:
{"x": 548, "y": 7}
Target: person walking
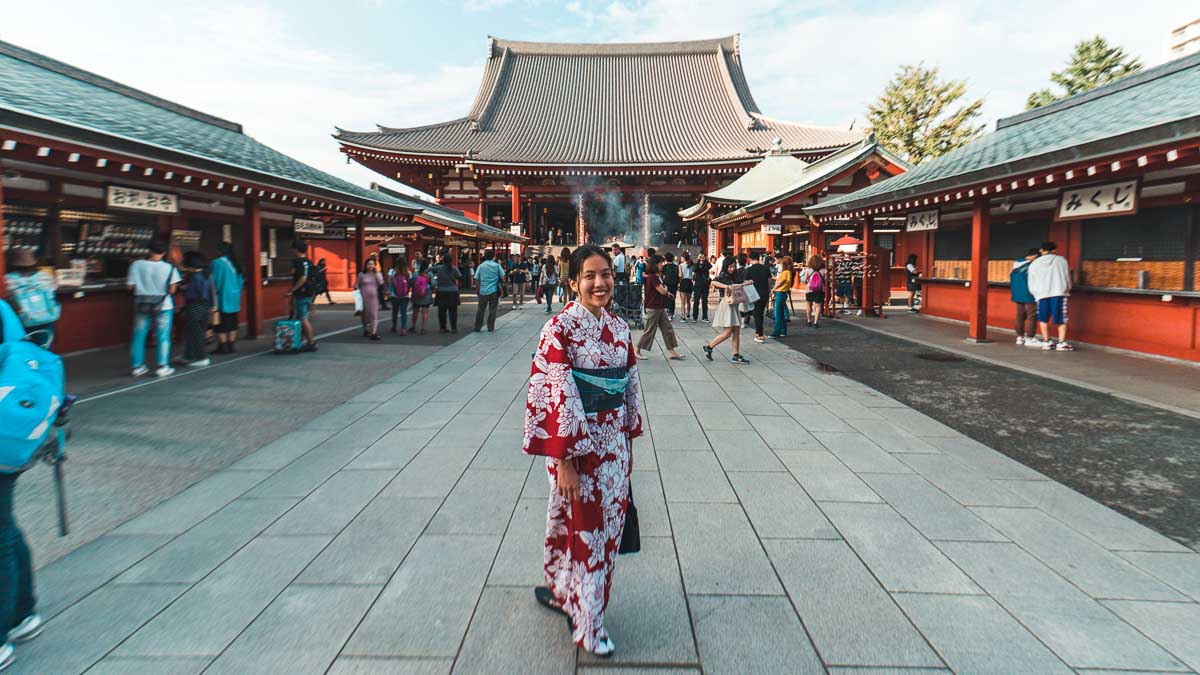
{"x": 305, "y": 282}
{"x": 322, "y": 285}
{"x": 725, "y": 316}
{"x": 197, "y": 308}
{"x": 782, "y": 292}
{"x": 548, "y": 282}
{"x": 581, "y": 414}
{"x": 422, "y": 297}
{"x": 154, "y": 282}
{"x": 1050, "y": 283}
{"x": 1023, "y": 300}
{"x": 564, "y": 264}
{"x": 520, "y": 279}
{"x": 487, "y": 285}
{"x": 19, "y": 622}
{"x": 669, "y": 276}
{"x": 369, "y": 283}
{"x": 655, "y": 296}
{"x": 814, "y": 296}
{"x": 912, "y": 281}
{"x": 33, "y": 295}
{"x": 446, "y": 276}
{"x": 702, "y": 277}
{"x": 400, "y": 283}
{"x": 687, "y": 270}
{"x": 760, "y": 275}
{"x": 227, "y": 282}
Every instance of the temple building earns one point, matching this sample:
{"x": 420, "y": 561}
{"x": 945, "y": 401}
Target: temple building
{"x": 595, "y": 141}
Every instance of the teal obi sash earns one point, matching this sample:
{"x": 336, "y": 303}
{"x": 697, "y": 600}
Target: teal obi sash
{"x": 601, "y": 388}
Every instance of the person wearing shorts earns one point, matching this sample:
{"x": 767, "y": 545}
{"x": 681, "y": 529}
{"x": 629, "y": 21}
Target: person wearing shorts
{"x": 303, "y": 271}
{"x": 1050, "y": 283}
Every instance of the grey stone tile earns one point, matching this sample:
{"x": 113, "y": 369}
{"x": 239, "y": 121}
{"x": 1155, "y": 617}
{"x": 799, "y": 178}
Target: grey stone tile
{"x": 304, "y": 475}
{"x": 786, "y": 393}
{"x": 1173, "y": 625}
{"x": 402, "y": 405}
{"x": 744, "y": 451}
{"x": 213, "y": 612}
{"x": 705, "y": 392}
{"x": 64, "y": 581}
{"x": 984, "y": 460}
{"x": 666, "y": 403}
{"x": 301, "y": 631}
{"x": 784, "y": 433}
{"x": 432, "y": 415}
{"x": 751, "y": 635}
{"x": 394, "y": 450}
{"x": 848, "y": 408}
{"x": 537, "y": 481}
{"x": 1074, "y": 626}
{"x": 825, "y": 478}
{"x": 1103, "y": 525}
{"x": 860, "y": 454}
{"x": 779, "y": 508}
{"x": 1180, "y": 570}
{"x": 425, "y": 608}
{"x": 340, "y": 417}
{"x": 467, "y": 429}
{"x": 816, "y": 418}
{"x": 966, "y": 486}
{"x": 367, "y": 665}
{"x": 840, "y": 670}
{"x": 521, "y": 556}
{"x": 852, "y": 619}
{"x": 928, "y": 509}
{"x": 194, "y": 504}
{"x": 283, "y": 450}
{"x": 481, "y": 503}
{"x": 586, "y": 670}
{"x": 333, "y": 505}
{"x": 371, "y": 547}
{"x": 1097, "y": 572}
{"x": 694, "y": 477}
{"x": 503, "y": 450}
{"x": 83, "y": 634}
{"x": 754, "y": 401}
{"x": 150, "y": 665}
{"x": 362, "y": 432}
{"x": 651, "y": 504}
{"x": 718, "y": 551}
{"x": 647, "y": 616}
{"x": 677, "y": 432}
{"x": 891, "y": 437}
{"x": 975, "y": 635}
{"x": 195, "y": 553}
{"x": 897, "y": 554}
{"x": 510, "y": 633}
{"x": 917, "y": 423}
{"x": 380, "y": 392}
{"x": 432, "y": 473}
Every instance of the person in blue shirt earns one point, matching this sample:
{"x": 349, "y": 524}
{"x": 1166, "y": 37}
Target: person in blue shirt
{"x": 487, "y": 283}
{"x": 1021, "y": 296}
{"x": 197, "y": 307}
{"x": 227, "y": 283}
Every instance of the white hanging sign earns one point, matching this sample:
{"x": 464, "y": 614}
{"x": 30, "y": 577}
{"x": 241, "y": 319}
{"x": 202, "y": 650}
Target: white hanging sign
{"x": 308, "y": 226}
{"x": 135, "y": 199}
{"x": 1097, "y": 201}
{"x": 772, "y": 228}
{"x": 919, "y": 221}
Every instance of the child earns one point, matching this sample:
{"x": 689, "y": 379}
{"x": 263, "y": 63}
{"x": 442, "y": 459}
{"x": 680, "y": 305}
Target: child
{"x": 815, "y": 297}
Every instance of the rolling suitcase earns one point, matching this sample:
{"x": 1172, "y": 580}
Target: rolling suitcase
{"x": 288, "y": 336}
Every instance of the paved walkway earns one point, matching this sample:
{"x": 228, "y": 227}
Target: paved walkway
{"x": 792, "y": 520}
{"x": 1164, "y": 383}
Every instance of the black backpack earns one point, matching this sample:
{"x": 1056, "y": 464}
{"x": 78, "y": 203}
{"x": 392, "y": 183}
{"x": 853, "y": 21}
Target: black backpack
{"x": 312, "y": 281}
{"x": 670, "y": 273}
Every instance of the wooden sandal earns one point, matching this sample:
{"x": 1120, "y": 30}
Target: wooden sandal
{"x": 546, "y": 598}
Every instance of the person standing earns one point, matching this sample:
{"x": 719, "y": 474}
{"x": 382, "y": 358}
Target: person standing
{"x": 760, "y": 275}
{"x": 422, "y": 297}
{"x": 227, "y": 287}
{"x": 782, "y": 292}
{"x": 725, "y": 315}
{"x": 487, "y": 283}
{"x": 153, "y": 281}
{"x": 669, "y": 276}
{"x": 19, "y": 622}
{"x": 620, "y": 269}
{"x": 581, "y": 414}
{"x": 814, "y": 296}
{"x": 687, "y": 270}
{"x": 446, "y": 276}
{"x": 702, "y": 277}
{"x": 548, "y": 282}
{"x": 639, "y": 270}
{"x": 400, "y": 289}
{"x": 369, "y": 283}
{"x": 1026, "y": 304}
{"x": 655, "y": 295}
{"x": 520, "y": 279}
{"x": 564, "y": 264}
{"x": 1050, "y": 283}
{"x": 305, "y": 282}
{"x": 32, "y": 292}
{"x": 197, "y": 308}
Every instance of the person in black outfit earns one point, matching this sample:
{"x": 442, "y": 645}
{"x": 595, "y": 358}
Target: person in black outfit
{"x": 760, "y": 274}
{"x": 700, "y": 270}
{"x": 670, "y": 278}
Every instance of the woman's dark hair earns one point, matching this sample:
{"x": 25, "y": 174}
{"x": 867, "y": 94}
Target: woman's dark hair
{"x": 226, "y": 249}
{"x": 727, "y": 265}
{"x": 564, "y": 254}
{"x": 196, "y": 260}
{"x": 742, "y": 259}
{"x": 580, "y": 255}
{"x": 912, "y": 259}
{"x": 816, "y": 263}
{"x": 157, "y": 247}
{"x": 368, "y": 261}
{"x": 654, "y": 264}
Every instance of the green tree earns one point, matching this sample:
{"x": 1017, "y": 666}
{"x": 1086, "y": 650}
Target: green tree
{"x": 916, "y": 115}
{"x": 1093, "y": 63}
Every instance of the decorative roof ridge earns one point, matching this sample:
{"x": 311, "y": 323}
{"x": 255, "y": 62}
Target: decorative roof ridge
{"x": 729, "y": 43}
{"x": 1127, "y": 82}
{"x": 735, "y": 98}
{"x": 828, "y": 127}
{"x": 65, "y": 69}
{"x": 499, "y": 82}
{"x": 401, "y": 130}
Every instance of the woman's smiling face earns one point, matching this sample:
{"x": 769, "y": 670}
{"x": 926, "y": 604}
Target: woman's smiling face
{"x": 595, "y": 284}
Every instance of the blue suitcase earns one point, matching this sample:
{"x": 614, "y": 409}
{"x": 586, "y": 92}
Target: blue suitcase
{"x": 289, "y": 336}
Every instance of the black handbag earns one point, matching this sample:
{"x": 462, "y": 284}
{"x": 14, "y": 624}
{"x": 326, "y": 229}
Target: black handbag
{"x": 631, "y": 538}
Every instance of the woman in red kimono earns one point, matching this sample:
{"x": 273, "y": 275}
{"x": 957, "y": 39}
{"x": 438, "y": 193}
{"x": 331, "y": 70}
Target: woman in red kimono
{"x": 581, "y": 414}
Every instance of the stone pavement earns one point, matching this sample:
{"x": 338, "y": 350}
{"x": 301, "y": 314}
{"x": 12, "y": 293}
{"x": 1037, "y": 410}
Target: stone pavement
{"x": 792, "y": 519}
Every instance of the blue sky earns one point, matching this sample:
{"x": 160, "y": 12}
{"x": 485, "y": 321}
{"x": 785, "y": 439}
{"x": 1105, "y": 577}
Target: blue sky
{"x": 291, "y": 71}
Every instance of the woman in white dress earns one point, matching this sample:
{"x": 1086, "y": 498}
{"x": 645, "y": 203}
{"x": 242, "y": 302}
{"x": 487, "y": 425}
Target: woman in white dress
{"x": 725, "y": 317}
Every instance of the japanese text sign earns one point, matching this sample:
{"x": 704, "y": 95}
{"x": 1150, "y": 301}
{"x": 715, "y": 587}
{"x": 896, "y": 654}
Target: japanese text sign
{"x": 308, "y": 226}
{"x": 772, "y": 228}
{"x": 1095, "y": 201}
{"x": 919, "y": 221}
{"x": 134, "y": 199}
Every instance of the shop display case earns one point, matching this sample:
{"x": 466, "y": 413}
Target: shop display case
{"x": 25, "y": 228}
{"x": 107, "y": 245}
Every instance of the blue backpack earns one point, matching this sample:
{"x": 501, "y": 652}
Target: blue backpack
{"x": 35, "y": 303}
{"x": 31, "y": 394}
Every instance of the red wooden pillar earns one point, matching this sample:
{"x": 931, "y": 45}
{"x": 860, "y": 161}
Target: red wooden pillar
{"x": 981, "y": 225}
{"x": 516, "y": 202}
{"x": 360, "y": 244}
{"x": 868, "y": 284}
{"x": 814, "y": 239}
{"x": 254, "y": 282}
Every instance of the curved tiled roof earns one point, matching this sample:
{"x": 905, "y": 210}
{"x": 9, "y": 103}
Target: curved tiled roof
{"x": 615, "y": 104}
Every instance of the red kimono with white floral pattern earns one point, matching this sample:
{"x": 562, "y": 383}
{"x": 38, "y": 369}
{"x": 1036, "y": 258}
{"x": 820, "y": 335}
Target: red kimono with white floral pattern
{"x": 582, "y": 536}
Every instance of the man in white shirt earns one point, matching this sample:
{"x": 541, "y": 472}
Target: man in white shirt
{"x": 619, "y": 268}
{"x": 153, "y": 282}
{"x": 1050, "y": 284}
